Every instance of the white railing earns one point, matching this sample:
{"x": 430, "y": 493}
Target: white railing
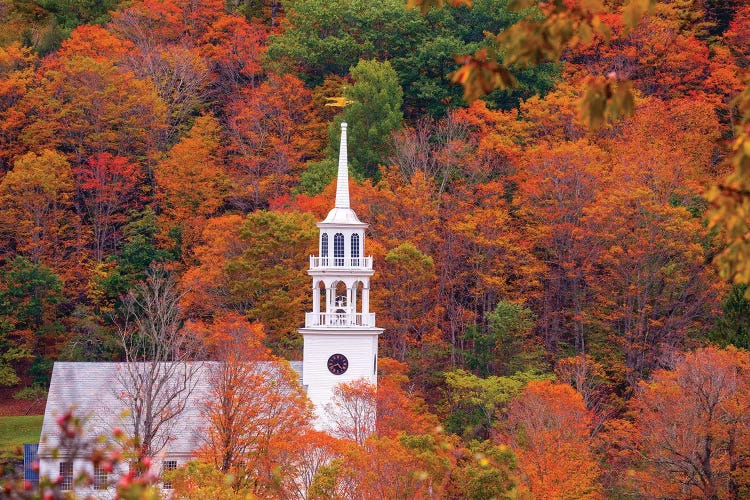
{"x": 346, "y": 263}
{"x": 339, "y": 319}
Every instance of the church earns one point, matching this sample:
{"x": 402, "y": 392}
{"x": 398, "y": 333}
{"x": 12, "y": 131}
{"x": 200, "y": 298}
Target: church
{"x": 340, "y": 345}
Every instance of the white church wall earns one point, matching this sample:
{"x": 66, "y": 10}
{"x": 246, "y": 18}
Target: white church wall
{"x": 360, "y": 351}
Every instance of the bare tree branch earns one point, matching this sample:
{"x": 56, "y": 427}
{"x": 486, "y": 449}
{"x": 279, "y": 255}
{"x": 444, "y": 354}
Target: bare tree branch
{"x": 159, "y": 375}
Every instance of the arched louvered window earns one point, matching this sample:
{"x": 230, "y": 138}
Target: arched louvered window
{"x": 338, "y": 249}
{"x": 355, "y": 250}
{"x": 324, "y": 245}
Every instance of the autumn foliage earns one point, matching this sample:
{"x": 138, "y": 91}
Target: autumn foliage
{"x": 554, "y": 323}
{"x": 687, "y": 431}
{"x": 549, "y": 428}
{"x": 257, "y": 415}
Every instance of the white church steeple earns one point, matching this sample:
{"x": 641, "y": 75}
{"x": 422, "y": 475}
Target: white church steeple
{"x": 340, "y": 336}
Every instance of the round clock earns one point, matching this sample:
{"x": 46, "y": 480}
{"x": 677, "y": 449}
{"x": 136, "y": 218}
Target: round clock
{"x": 338, "y": 364}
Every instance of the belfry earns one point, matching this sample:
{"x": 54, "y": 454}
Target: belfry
{"x": 340, "y": 336}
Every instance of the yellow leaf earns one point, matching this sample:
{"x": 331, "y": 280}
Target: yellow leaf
{"x": 585, "y": 33}
{"x": 634, "y": 11}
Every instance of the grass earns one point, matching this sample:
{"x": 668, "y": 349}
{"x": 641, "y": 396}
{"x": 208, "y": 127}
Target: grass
{"x": 15, "y": 431}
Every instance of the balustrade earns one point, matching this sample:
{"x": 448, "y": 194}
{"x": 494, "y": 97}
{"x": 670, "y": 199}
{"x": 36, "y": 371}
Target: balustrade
{"x": 341, "y": 262}
{"x": 339, "y": 319}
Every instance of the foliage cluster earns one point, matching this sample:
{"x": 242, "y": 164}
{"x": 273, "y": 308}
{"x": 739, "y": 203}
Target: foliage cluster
{"x": 513, "y": 242}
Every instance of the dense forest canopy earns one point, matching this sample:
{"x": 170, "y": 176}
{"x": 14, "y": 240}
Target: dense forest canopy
{"x": 543, "y": 285}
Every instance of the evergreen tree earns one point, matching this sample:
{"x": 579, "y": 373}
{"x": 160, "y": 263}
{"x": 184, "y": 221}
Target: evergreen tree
{"x": 373, "y": 115}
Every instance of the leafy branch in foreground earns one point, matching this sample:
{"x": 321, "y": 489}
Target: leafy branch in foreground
{"x": 111, "y": 456}
{"x": 731, "y": 201}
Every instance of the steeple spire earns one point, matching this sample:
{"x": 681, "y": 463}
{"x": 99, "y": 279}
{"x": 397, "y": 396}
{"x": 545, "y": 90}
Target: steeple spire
{"x": 342, "y": 179}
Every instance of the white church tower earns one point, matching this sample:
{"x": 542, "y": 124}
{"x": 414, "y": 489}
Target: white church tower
{"x": 340, "y": 336}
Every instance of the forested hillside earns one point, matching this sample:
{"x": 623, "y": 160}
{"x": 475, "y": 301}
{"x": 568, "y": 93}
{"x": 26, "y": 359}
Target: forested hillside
{"x": 548, "y": 290}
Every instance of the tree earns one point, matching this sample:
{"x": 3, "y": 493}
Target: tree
{"x": 196, "y": 481}
{"x": 375, "y": 112}
{"x": 475, "y": 240}
{"x": 191, "y": 178}
{"x": 640, "y": 55}
{"x": 234, "y": 49}
{"x": 143, "y": 245}
{"x": 318, "y": 42}
{"x": 418, "y": 466}
{"x": 256, "y": 412}
{"x": 374, "y": 115}
{"x": 400, "y": 210}
{"x": 18, "y": 66}
{"x": 30, "y": 296}
{"x": 548, "y": 427}
{"x": 560, "y": 180}
{"x": 158, "y": 375}
{"x": 484, "y": 257}
{"x": 96, "y": 42}
{"x": 735, "y": 37}
{"x": 475, "y": 403}
{"x": 535, "y": 39}
{"x": 314, "y": 451}
{"x": 84, "y": 106}
{"x": 400, "y": 408}
{"x": 327, "y": 38}
{"x": 688, "y": 432}
{"x": 152, "y": 23}
{"x": 181, "y": 77}
{"x": 270, "y": 276}
{"x": 655, "y": 257}
{"x": 68, "y": 14}
{"x": 108, "y": 188}
{"x": 405, "y": 293}
{"x": 381, "y": 468}
{"x": 227, "y": 332}
{"x": 729, "y": 200}
{"x": 232, "y": 407}
{"x": 669, "y": 147}
{"x": 733, "y": 325}
{"x": 503, "y": 348}
{"x": 207, "y": 284}
{"x": 36, "y": 200}
{"x": 271, "y": 139}
{"x": 269, "y": 12}
{"x": 352, "y": 410}
{"x": 484, "y": 470}
{"x": 587, "y": 377}
{"x": 433, "y": 148}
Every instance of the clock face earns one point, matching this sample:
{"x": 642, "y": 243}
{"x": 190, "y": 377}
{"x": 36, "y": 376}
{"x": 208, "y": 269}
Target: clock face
{"x": 338, "y": 364}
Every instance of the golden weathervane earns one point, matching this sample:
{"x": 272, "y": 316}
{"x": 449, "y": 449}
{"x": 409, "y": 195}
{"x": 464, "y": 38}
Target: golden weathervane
{"x": 339, "y": 102}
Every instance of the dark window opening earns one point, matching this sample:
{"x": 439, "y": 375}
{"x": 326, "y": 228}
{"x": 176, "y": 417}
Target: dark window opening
{"x": 355, "y": 249}
{"x": 66, "y": 475}
{"x": 166, "y": 466}
{"x": 338, "y": 249}
{"x": 100, "y": 478}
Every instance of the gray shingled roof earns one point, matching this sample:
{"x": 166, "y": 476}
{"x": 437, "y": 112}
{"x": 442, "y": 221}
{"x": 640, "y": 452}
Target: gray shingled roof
{"x": 91, "y": 389}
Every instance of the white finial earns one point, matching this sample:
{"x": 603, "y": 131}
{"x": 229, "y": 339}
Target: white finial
{"x": 342, "y": 180}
